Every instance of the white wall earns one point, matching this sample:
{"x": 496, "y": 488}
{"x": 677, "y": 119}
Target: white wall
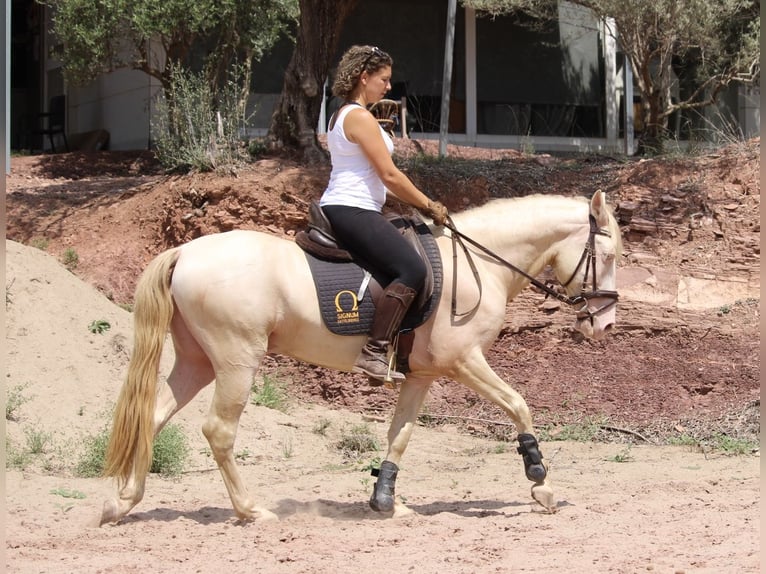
{"x": 119, "y": 102}
{"x": 750, "y": 111}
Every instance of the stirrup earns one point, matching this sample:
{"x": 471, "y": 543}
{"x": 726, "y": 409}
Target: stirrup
{"x": 390, "y": 382}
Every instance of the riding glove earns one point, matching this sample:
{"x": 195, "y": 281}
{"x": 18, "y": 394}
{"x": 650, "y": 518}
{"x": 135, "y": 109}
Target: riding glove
{"x": 436, "y": 211}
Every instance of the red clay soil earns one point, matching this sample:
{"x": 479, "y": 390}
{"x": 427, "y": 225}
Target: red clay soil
{"x": 668, "y": 368}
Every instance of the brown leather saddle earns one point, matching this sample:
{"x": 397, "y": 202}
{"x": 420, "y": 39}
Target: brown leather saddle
{"x": 347, "y": 288}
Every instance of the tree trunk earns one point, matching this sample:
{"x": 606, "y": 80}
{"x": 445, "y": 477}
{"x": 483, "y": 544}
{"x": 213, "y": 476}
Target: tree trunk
{"x": 293, "y": 124}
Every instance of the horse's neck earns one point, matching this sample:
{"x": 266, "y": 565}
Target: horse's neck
{"x": 523, "y": 231}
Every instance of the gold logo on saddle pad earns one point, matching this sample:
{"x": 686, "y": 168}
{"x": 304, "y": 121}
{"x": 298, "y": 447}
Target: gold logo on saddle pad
{"x": 347, "y": 307}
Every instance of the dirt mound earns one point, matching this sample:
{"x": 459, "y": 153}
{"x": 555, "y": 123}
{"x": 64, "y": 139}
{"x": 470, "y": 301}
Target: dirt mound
{"x": 689, "y": 282}
{"x": 633, "y": 506}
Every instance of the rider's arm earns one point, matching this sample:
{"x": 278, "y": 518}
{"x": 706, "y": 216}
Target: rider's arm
{"x": 362, "y": 128}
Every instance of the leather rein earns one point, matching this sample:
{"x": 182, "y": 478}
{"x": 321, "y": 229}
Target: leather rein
{"x": 588, "y": 258}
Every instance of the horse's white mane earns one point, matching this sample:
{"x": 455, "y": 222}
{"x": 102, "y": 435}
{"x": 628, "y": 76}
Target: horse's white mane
{"x": 506, "y": 211}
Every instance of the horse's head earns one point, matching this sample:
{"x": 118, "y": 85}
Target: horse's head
{"x": 589, "y": 275}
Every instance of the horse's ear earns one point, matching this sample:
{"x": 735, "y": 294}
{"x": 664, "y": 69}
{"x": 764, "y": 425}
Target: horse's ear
{"x": 598, "y": 208}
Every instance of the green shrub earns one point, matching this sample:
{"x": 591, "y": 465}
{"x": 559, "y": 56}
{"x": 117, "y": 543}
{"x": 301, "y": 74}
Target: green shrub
{"x": 321, "y": 427}
{"x": 196, "y": 129}
{"x": 14, "y": 402}
{"x": 271, "y": 394}
{"x": 169, "y": 454}
{"x": 15, "y": 458}
{"x": 356, "y": 441}
{"x": 39, "y": 243}
{"x": 99, "y": 326}
{"x": 37, "y": 440}
{"x": 91, "y": 463}
{"x": 70, "y": 259}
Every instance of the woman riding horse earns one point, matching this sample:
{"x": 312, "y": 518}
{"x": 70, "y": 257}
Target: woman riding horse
{"x": 362, "y": 172}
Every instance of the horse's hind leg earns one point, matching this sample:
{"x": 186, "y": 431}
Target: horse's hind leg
{"x": 232, "y": 390}
{"x": 411, "y": 396}
{"x": 476, "y": 374}
{"x": 191, "y": 372}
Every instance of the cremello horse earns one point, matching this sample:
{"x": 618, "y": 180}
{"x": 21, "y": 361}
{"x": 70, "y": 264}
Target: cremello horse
{"x": 229, "y": 299}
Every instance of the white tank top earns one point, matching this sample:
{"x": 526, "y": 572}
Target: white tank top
{"x": 353, "y": 180}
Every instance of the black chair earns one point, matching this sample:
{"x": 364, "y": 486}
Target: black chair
{"x": 53, "y": 122}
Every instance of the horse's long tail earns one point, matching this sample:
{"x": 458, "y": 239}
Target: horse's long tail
{"x": 130, "y": 444}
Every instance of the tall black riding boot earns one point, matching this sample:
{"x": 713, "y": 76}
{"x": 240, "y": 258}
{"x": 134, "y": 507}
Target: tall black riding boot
{"x": 373, "y": 359}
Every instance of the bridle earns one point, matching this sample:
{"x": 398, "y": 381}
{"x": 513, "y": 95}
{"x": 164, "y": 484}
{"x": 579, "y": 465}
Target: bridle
{"x": 588, "y": 258}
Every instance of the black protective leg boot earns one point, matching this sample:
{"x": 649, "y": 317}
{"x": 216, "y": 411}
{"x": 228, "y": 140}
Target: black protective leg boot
{"x": 373, "y": 359}
{"x": 384, "y": 489}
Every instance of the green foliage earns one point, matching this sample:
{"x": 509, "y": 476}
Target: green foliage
{"x": 97, "y": 36}
{"x": 732, "y": 445}
{"x": 197, "y": 128}
{"x": 716, "y": 442}
{"x": 39, "y": 243}
{"x": 8, "y": 298}
{"x": 271, "y": 393}
{"x": 14, "y": 401}
{"x": 356, "y": 441}
{"x": 99, "y": 326}
{"x": 257, "y": 147}
{"x": 683, "y": 440}
{"x": 169, "y": 453}
{"x": 705, "y": 44}
{"x": 91, "y": 462}
{"x": 372, "y": 465}
{"x": 242, "y": 455}
{"x": 15, "y": 458}
{"x": 68, "y": 493}
{"x": 287, "y": 447}
{"x": 585, "y": 430}
{"x": 622, "y": 456}
{"x": 321, "y": 427}
{"x": 37, "y": 440}
{"x": 70, "y": 259}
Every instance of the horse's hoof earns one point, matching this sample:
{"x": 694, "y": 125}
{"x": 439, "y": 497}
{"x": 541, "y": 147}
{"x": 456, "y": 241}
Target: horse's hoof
{"x": 256, "y": 514}
{"x": 543, "y": 495}
{"x": 263, "y": 515}
{"x": 110, "y": 512}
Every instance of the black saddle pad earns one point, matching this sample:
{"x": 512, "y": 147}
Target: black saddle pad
{"x": 338, "y": 286}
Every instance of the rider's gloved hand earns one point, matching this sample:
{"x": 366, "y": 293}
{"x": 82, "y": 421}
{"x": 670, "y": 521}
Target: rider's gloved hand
{"x": 436, "y": 211}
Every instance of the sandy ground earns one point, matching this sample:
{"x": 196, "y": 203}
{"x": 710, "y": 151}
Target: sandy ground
{"x": 679, "y": 366}
{"x": 665, "y": 510}
{"x": 621, "y": 508}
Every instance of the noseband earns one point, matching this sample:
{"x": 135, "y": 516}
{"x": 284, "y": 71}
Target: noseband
{"x": 588, "y": 258}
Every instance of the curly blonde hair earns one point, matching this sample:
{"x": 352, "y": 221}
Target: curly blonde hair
{"x": 357, "y": 59}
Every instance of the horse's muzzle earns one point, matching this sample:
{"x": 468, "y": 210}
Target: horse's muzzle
{"x": 597, "y": 316}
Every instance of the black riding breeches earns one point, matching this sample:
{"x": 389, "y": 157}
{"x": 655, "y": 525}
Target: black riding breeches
{"x": 371, "y": 237}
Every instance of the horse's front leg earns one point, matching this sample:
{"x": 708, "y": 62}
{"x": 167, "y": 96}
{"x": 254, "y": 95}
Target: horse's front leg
{"x": 411, "y": 396}
{"x": 476, "y": 374}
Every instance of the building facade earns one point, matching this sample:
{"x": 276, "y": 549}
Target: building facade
{"x": 564, "y": 88}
